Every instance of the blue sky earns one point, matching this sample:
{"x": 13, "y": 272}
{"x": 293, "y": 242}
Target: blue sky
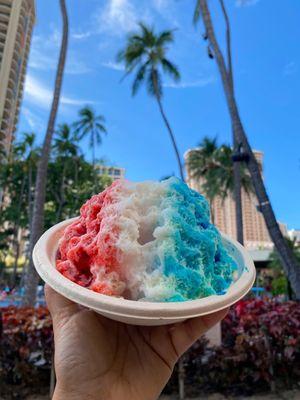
{"x": 266, "y": 61}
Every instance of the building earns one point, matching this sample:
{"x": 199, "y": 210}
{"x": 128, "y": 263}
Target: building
{"x": 17, "y": 18}
{"x": 256, "y": 235}
{"x": 113, "y": 172}
{"x": 294, "y": 234}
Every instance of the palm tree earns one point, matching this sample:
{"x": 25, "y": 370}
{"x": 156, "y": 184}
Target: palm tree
{"x": 145, "y": 53}
{"x": 31, "y": 278}
{"x": 66, "y": 150}
{"x": 65, "y": 145}
{"x": 26, "y": 152}
{"x": 212, "y": 165}
{"x": 92, "y": 125}
{"x": 289, "y": 262}
{"x": 276, "y": 265}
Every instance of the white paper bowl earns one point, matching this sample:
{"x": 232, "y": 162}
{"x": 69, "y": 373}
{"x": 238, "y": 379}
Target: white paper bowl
{"x": 139, "y": 312}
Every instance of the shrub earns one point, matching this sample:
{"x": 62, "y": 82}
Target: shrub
{"x": 261, "y": 351}
{"x": 25, "y": 351}
{"x": 279, "y": 286}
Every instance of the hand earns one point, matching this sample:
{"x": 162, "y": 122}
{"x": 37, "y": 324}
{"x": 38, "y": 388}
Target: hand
{"x": 97, "y": 358}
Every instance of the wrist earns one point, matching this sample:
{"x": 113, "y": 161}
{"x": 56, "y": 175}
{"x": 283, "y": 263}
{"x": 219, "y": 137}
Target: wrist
{"x": 62, "y": 393}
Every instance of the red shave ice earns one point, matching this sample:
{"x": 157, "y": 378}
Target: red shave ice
{"x": 85, "y": 245}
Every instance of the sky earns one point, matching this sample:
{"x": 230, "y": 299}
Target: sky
{"x": 266, "y": 63}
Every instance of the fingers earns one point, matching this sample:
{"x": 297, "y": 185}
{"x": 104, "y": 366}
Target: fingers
{"x": 185, "y": 334}
{"x": 60, "y": 308}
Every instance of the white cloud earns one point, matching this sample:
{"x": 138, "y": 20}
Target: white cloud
{"x": 190, "y": 84}
{"x": 76, "y": 67}
{"x": 45, "y": 52}
{"x": 113, "y": 65}
{"x": 52, "y": 40}
{"x": 41, "y": 95}
{"x": 290, "y": 68}
{"x": 167, "y": 10}
{"x": 117, "y": 17}
{"x": 161, "y": 4}
{"x": 81, "y": 35}
{"x": 35, "y": 122}
{"x": 241, "y": 3}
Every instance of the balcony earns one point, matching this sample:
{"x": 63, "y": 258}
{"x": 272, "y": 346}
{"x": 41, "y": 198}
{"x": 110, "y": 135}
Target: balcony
{"x": 3, "y": 26}
{"x": 2, "y": 36}
{"x": 4, "y": 9}
{"x": 6, "y": 3}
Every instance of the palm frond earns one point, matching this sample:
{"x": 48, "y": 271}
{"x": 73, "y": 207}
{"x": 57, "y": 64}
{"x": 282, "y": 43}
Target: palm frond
{"x": 100, "y": 118}
{"x": 165, "y": 37}
{"x": 208, "y": 145}
{"x": 147, "y": 48}
{"x": 171, "y": 69}
{"x": 130, "y": 69}
{"x": 197, "y": 13}
{"x": 139, "y": 78}
{"x": 148, "y": 35}
{"x": 131, "y": 54}
{"x": 100, "y": 127}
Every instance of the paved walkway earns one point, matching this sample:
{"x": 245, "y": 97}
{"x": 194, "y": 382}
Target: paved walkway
{"x": 289, "y": 395}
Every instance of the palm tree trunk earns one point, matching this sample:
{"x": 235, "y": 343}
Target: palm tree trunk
{"x": 94, "y": 158}
{"x": 76, "y": 186}
{"x": 29, "y": 196}
{"x": 93, "y": 150}
{"x": 288, "y": 260}
{"x": 16, "y": 233}
{"x": 17, "y": 254}
{"x": 171, "y": 136}
{"x": 61, "y": 194}
{"x": 212, "y": 213}
{"x": 181, "y": 376}
{"x": 237, "y": 191}
{"x": 31, "y": 278}
{"x": 158, "y": 98}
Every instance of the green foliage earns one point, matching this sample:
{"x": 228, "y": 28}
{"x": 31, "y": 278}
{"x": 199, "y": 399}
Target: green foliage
{"x": 25, "y": 351}
{"x": 71, "y": 181}
{"x": 261, "y": 347}
{"x": 197, "y": 12}
{"x": 260, "y": 350}
{"x": 279, "y": 282}
{"x": 212, "y": 164}
{"x": 90, "y": 125}
{"x": 279, "y": 286}
{"x": 146, "y": 53}
{"x": 275, "y": 263}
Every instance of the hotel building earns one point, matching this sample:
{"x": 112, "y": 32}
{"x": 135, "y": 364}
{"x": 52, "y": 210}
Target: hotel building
{"x": 17, "y": 18}
{"x": 256, "y": 235}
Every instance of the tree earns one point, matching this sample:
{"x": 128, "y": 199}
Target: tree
{"x": 280, "y": 284}
{"x": 26, "y": 151}
{"x": 289, "y": 262}
{"x": 13, "y": 213}
{"x": 68, "y": 171}
{"x": 213, "y": 166}
{"x": 66, "y": 149}
{"x": 146, "y": 53}
{"x": 92, "y": 125}
{"x": 31, "y": 278}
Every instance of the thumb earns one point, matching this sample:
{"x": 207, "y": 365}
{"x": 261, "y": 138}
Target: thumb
{"x": 186, "y": 333}
{"x": 61, "y": 309}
